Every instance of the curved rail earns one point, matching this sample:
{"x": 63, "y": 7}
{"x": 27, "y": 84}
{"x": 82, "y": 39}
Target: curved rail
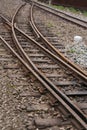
{"x": 53, "y": 49}
{"x": 54, "y": 90}
{"x": 62, "y": 98}
{"x": 37, "y": 76}
{"x": 47, "y": 51}
{"x": 61, "y": 14}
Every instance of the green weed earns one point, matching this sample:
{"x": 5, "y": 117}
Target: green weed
{"x": 71, "y": 50}
{"x": 85, "y": 13}
{"x": 71, "y": 9}
{"x": 49, "y": 25}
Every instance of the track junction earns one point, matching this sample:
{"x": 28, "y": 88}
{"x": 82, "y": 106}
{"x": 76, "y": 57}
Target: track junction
{"x": 49, "y": 67}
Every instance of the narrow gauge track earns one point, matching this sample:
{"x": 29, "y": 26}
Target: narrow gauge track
{"x": 58, "y": 38}
{"x": 41, "y": 54}
{"x": 54, "y": 67}
{"x": 52, "y": 46}
{"x": 61, "y": 14}
{"x": 19, "y": 89}
{"x": 42, "y": 29}
{"x": 15, "y": 86}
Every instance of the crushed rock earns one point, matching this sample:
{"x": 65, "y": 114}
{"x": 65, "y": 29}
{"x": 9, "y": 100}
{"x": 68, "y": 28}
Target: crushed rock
{"x": 78, "y": 52}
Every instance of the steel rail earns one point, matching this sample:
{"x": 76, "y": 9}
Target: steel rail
{"x": 63, "y": 15}
{"x": 48, "y": 87}
{"x": 35, "y": 32}
{"x": 82, "y": 119}
{"x": 51, "y": 47}
{"x": 56, "y": 58}
{"x": 75, "y": 111}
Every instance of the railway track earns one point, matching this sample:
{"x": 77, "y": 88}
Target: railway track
{"x": 19, "y": 94}
{"x": 55, "y": 39}
{"x": 53, "y": 46}
{"x": 61, "y": 14}
{"x": 14, "y": 86}
{"x": 52, "y": 71}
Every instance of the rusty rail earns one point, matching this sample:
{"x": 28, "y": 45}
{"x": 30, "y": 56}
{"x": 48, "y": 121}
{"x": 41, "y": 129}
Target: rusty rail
{"x": 62, "y": 98}
{"x": 48, "y": 52}
{"x": 55, "y": 91}
{"x": 54, "y": 50}
{"x": 61, "y": 14}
